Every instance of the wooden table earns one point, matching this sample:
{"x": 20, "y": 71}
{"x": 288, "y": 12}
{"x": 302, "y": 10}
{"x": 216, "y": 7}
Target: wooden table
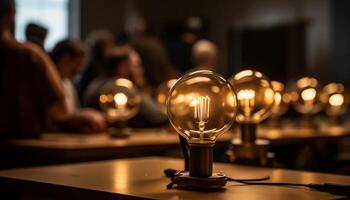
{"x": 143, "y": 178}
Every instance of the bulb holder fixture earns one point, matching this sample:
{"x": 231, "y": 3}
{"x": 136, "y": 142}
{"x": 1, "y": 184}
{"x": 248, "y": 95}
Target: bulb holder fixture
{"x": 248, "y": 149}
{"x": 201, "y": 160}
{"x": 184, "y": 181}
{"x": 198, "y": 173}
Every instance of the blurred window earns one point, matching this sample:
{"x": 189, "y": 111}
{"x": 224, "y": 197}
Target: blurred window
{"x": 52, "y": 14}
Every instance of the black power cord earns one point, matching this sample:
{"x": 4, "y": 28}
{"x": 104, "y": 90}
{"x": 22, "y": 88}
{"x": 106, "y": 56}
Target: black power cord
{"x": 336, "y": 189}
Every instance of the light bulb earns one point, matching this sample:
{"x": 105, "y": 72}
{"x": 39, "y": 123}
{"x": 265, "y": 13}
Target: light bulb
{"x": 255, "y": 99}
{"x": 162, "y": 92}
{"x": 306, "y": 97}
{"x": 282, "y": 99}
{"x": 201, "y": 106}
{"x": 254, "y": 94}
{"x": 333, "y": 96}
{"x": 119, "y": 99}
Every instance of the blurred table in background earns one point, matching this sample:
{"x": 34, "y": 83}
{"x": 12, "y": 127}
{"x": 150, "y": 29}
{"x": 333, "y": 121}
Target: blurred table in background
{"x": 53, "y": 148}
{"x": 288, "y": 143}
{"x": 143, "y": 178}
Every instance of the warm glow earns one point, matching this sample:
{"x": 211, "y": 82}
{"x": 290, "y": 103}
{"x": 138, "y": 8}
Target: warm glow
{"x": 124, "y": 82}
{"x": 161, "y": 98}
{"x": 308, "y": 94}
{"x": 246, "y": 99}
{"x": 307, "y": 81}
{"x": 120, "y": 100}
{"x": 171, "y": 82}
{"x": 246, "y": 94}
{"x": 278, "y": 98}
{"x": 201, "y": 111}
{"x": 336, "y": 100}
{"x": 103, "y": 98}
{"x": 269, "y": 96}
{"x": 243, "y": 74}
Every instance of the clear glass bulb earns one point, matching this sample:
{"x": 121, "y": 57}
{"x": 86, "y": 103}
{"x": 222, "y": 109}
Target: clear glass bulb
{"x": 333, "y": 96}
{"x": 255, "y": 96}
{"x": 119, "y": 99}
{"x": 282, "y": 99}
{"x": 306, "y": 96}
{"x": 163, "y": 91}
{"x": 201, "y": 106}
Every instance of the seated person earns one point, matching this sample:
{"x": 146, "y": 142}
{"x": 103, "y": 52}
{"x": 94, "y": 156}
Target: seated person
{"x": 31, "y": 88}
{"x": 124, "y": 62}
{"x": 99, "y": 42}
{"x": 68, "y": 56}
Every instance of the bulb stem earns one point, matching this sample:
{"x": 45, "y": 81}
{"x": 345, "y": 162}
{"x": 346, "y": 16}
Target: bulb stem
{"x": 248, "y": 133}
{"x": 201, "y": 160}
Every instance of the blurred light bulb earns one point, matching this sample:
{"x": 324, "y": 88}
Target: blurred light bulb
{"x": 308, "y": 95}
{"x": 119, "y": 99}
{"x": 333, "y": 96}
{"x": 282, "y": 99}
{"x": 306, "y": 98}
{"x": 254, "y": 94}
{"x": 162, "y": 92}
{"x": 336, "y": 100}
{"x": 201, "y": 106}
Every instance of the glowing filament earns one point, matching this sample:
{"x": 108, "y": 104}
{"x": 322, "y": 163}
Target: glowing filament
{"x": 120, "y": 100}
{"x": 308, "y": 95}
{"x": 201, "y": 111}
{"x": 246, "y": 99}
{"x": 336, "y": 100}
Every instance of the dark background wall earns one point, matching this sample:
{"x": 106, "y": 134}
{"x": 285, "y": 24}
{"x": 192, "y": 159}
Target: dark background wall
{"x": 341, "y": 39}
{"x": 222, "y": 16}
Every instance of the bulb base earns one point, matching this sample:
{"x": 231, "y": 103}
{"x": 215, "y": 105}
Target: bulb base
{"x": 249, "y": 153}
{"x": 248, "y": 133}
{"x": 248, "y": 149}
{"x": 201, "y": 160}
{"x": 184, "y": 181}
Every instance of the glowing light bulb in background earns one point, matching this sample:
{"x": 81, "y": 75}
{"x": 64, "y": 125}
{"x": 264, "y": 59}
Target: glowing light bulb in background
{"x": 282, "y": 100}
{"x": 306, "y": 96}
{"x": 201, "y": 106}
{"x": 119, "y": 99}
{"x": 162, "y": 92}
{"x": 333, "y": 96}
{"x": 255, "y": 99}
{"x": 255, "y": 96}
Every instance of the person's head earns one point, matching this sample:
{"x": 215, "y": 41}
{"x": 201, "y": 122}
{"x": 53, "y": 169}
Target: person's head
{"x": 125, "y": 62}
{"x": 7, "y": 15}
{"x": 68, "y": 56}
{"x": 204, "y": 54}
{"x": 135, "y": 24}
{"x": 99, "y": 43}
{"x": 36, "y": 33}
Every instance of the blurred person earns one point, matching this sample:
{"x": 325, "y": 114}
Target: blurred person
{"x": 204, "y": 55}
{"x": 31, "y": 89}
{"x": 99, "y": 43}
{"x": 180, "y": 48}
{"x": 153, "y": 53}
{"x": 37, "y": 34}
{"x": 124, "y": 62}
